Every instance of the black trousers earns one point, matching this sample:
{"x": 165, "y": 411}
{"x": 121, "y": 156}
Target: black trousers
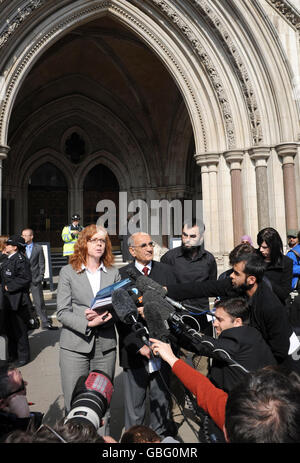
{"x": 16, "y": 332}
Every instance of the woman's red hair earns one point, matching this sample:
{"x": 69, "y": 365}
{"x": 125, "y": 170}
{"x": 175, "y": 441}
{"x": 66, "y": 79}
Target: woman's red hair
{"x": 79, "y": 257}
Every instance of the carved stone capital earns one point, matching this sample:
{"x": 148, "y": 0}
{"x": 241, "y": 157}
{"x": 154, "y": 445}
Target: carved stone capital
{"x": 287, "y": 151}
{"x": 260, "y": 155}
{"x": 207, "y": 159}
{"x": 234, "y": 158}
{"x": 3, "y": 151}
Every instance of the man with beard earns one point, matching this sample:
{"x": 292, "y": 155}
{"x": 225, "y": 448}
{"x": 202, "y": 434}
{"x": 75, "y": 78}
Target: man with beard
{"x": 192, "y": 264}
{"x": 267, "y": 314}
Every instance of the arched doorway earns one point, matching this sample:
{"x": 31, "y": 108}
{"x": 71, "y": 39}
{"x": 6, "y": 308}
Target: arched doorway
{"x": 48, "y": 204}
{"x": 100, "y": 184}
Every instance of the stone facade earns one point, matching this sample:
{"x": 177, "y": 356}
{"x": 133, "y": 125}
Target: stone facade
{"x": 193, "y": 99}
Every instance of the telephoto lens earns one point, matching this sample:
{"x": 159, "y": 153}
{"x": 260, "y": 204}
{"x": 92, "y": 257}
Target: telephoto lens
{"x": 91, "y": 398}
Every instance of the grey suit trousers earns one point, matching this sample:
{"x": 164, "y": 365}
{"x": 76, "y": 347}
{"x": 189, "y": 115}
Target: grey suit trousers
{"x": 136, "y": 383}
{"x": 39, "y": 303}
{"x": 75, "y": 364}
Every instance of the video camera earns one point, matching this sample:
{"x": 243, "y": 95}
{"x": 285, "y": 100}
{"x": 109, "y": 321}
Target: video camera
{"x": 91, "y": 398}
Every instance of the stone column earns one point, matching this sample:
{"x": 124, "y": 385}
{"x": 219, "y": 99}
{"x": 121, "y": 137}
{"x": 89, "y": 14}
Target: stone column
{"x": 260, "y": 156}
{"x": 287, "y": 152}
{"x": 234, "y": 159}
{"x": 3, "y": 154}
{"x": 209, "y": 169}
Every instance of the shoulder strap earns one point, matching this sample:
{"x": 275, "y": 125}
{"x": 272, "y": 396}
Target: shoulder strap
{"x": 296, "y": 254}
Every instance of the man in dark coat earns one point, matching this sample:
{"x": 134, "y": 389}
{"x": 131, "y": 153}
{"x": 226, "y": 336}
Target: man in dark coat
{"x": 193, "y": 264}
{"x": 267, "y": 314}
{"x": 15, "y": 281}
{"x": 135, "y": 356}
{"x": 238, "y": 349}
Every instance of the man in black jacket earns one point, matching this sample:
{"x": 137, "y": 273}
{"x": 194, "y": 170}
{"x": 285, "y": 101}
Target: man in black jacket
{"x": 140, "y": 371}
{"x": 193, "y": 264}
{"x": 15, "y": 281}
{"x": 238, "y": 349}
{"x": 267, "y": 314}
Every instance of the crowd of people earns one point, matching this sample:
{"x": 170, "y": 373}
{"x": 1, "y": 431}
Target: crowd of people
{"x": 243, "y": 371}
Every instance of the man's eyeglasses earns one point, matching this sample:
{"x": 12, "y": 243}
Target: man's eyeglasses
{"x": 97, "y": 240}
{"x": 144, "y": 245}
{"x": 53, "y": 432}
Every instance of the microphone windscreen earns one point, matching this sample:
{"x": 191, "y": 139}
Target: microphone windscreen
{"x": 123, "y": 305}
{"x": 165, "y": 308}
{"x": 155, "y": 322}
{"x": 133, "y": 274}
{"x": 144, "y": 283}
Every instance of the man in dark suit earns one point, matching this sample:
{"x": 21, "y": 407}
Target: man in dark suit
{"x": 35, "y": 254}
{"x": 141, "y": 372}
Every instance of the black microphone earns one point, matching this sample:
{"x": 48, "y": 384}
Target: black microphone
{"x": 155, "y": 321}
{"x": 126, "y": 311}
{"x": 124, "y": 306}
{"x": 144, "y": 283}
{"x": 165, "y": 308}
{"x": 132, "y": 273}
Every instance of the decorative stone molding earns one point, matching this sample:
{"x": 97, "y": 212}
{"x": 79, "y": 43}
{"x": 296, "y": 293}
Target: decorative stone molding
{"x": 288, "y": 11}
{"x": 75, "y": 18}
{"x": 208, "y": 65}
{"x": 19, "y": 16}
{"x": 260, "y": 155}
{"x": 239, "y": 67}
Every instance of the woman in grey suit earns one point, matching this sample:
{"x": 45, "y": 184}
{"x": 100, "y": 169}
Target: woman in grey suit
{"x": 88, "y": 339}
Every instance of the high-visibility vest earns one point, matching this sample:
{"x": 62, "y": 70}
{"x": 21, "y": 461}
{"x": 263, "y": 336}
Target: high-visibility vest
{"x": 69, "y": 240}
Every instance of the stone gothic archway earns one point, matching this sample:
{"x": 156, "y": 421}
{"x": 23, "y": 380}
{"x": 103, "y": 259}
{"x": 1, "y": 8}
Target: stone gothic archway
{"x": 235, "y": 79}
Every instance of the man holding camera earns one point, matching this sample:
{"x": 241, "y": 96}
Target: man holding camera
{"x": 70, "y": 235}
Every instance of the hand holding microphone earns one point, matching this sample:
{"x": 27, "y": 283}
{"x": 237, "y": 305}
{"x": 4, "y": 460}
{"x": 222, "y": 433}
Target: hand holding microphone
{"x": 164, "y": 350}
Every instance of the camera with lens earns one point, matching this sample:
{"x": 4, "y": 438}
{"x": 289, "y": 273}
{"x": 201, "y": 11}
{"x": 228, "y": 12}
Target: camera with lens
{"x": 91, "y": 398}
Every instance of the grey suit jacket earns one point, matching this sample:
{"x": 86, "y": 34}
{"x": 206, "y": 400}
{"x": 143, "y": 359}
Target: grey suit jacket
{"x": 37, "y": 263}
{"x": 74, "y": 296}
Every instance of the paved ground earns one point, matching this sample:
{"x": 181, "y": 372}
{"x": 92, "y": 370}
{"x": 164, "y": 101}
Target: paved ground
{"x": 44, "y": 388}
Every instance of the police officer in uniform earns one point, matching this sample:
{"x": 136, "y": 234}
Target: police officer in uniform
{"x": 70, "y": 234}
{"x": 15, "y": 277}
